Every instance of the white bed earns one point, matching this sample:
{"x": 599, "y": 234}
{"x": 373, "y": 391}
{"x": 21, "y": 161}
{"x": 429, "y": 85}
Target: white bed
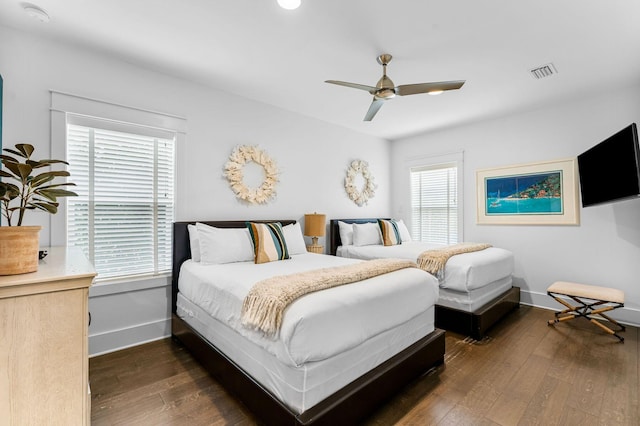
{"x": 463, "y": 272}
{"x": 328, "y": 339}
{"x": 469, "y": 283}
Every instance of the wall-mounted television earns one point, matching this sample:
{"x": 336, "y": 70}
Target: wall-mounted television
{"x": 610, "y": 171}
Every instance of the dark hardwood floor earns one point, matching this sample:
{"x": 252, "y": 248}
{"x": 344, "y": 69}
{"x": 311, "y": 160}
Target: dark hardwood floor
{"x": 524, "y": 373}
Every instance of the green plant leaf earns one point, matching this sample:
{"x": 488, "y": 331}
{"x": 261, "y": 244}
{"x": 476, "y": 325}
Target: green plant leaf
{"x": 47, "y": 195}
{"x": 47, "y": 177}
{"x": 53, "y": 194}
{"x": 14, "y": 152}
{"x": 22, "y": 171}
{"x": 44, "y": 163}
{"x": 5, "y": 174}
{"x": 41, "y": 201}
{"x": 25, "y": 171}
{"x": 11, "y": 191}
{"x": 13, "y": 168}
{"x": 26, "y": 149}
{"x": 56, "y": 185}
{"x": 8, "y": 158}
{"x": 38, "y": 181}
{"x": 48, "y": 207}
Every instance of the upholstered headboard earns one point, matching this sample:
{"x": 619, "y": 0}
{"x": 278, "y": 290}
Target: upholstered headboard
{"x": 334, "y": 231}
{"x": 182, "y": 249}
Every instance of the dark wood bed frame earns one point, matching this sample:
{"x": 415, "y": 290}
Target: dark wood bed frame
{"x": 474, "y": 324}
{"x": 347, "y": 406}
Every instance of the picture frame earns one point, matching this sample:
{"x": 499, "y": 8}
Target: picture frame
{"x": 542, "y": 193}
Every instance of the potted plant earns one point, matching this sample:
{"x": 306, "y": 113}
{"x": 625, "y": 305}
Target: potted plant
{"x": 22, "y": 189}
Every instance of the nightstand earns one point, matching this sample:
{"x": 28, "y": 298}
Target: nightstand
{"x": 315, "y": 248}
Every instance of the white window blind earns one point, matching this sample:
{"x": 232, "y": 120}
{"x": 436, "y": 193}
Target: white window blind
{"x": 434, "y": 204}
{"x": 123, "y": 215}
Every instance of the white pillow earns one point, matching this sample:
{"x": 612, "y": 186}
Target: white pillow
{"x": 346, "y": 233}
{"x": 366, "y": 234}
{"x": 294, "y": 239}
{"x": 194, "y": 242}
{"x": 404, "y": 232}
{"x": 224, "y": 245}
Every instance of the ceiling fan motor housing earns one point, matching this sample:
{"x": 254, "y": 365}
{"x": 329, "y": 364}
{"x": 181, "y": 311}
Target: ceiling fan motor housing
{"x": 386, "y": 88}
{"x": 385, "y": 94}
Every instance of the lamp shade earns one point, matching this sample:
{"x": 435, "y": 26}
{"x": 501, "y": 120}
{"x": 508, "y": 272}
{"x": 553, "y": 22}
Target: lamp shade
{"x": 314, "y": 225}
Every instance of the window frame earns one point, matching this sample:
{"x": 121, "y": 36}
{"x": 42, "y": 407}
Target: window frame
{"x": 63, "y": 104}
{"x": 433, "y": 161}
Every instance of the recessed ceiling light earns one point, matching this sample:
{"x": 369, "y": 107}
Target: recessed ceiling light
{"x": 436, "y": 92}
{"x": 35, "y": 12}
{"x": 289, "y": 4}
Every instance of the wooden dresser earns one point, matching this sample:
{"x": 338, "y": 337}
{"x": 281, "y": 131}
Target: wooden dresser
{"x": 44, "y": 362}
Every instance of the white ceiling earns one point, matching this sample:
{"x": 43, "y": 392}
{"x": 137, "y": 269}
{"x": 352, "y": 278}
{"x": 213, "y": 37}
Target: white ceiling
{"x": 257, "y": 50}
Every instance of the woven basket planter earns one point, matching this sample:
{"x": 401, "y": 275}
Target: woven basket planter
{"x": 19, "y": 247}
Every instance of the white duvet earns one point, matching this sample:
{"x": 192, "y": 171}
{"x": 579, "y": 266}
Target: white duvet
{"x": 321, "y": 324}
{"x": 463, "y": 272}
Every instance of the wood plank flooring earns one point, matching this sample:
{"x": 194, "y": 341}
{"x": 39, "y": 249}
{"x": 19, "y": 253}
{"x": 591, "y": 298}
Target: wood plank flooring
{"x": 524, "y": 373}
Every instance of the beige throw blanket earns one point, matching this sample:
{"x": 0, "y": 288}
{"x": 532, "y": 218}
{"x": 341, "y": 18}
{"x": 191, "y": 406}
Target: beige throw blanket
{"x": 264, "y": 306}
{"x": 433, "y": 261}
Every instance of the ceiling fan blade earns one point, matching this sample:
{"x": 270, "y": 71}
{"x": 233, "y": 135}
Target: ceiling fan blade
{"x": 414, "y": 89}
{"x": 373, "y": 109}
{"x": 369, "y": 89}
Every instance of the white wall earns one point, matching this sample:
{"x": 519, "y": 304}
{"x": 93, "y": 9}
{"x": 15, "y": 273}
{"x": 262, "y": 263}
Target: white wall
{"x": 603, "y": 250}
{"x": 312, "y": 156}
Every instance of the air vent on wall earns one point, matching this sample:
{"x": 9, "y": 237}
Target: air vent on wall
{"x": 543, "y": 71}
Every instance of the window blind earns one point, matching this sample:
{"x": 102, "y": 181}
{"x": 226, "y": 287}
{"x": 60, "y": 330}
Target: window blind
{"x": 434, "y": 204}
{"x": 123, "y": 215}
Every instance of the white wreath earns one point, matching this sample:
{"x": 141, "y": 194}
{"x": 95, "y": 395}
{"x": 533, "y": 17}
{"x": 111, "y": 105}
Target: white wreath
{"x": 360, "y": 197}
{"x": 241, "y": 155}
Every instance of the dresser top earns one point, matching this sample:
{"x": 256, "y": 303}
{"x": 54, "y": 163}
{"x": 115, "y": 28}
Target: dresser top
{"x": 60, "y": 264}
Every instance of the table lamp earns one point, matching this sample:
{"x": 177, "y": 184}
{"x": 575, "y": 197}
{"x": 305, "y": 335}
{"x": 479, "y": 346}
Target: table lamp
{"x": 314, "y": 226}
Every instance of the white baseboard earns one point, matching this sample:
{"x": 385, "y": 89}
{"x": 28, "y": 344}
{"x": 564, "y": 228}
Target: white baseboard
{"x": 115, "y": 340}
{"x": 624, "y": 315}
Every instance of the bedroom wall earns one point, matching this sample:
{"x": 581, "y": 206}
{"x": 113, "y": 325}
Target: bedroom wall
{"x": 603, "y": 250}
{"x": 312, "y": 156}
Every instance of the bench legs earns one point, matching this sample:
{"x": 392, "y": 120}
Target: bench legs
{"x": 587, "y": 310}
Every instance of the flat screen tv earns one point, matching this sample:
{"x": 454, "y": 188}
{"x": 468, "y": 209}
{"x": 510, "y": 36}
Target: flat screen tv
{"x": 610, "y": 171}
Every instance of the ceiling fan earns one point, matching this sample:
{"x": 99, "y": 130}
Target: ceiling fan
{"x": 385, "y": 89}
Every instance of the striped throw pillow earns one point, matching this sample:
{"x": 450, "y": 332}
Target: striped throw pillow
{"x": 390, "y": 233}
{"x": 268, "y": 242}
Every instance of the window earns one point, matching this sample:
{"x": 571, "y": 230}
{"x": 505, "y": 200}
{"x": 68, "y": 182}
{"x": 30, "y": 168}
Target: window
{"x": 123, "y": 215}
{"x": 435, "y": 213}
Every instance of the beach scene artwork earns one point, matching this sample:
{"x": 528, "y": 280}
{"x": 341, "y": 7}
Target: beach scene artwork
{"x": 526, "y": 194}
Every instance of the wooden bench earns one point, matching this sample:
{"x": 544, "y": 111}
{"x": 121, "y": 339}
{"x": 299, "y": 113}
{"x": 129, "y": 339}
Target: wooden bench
{"x": 598, "y": 300}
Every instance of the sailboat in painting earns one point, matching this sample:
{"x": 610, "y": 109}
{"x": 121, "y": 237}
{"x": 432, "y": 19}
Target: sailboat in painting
{"x": 496, "y": 202}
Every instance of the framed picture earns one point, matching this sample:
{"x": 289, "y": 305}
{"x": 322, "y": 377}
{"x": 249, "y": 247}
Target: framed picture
{"x": 544, "y": 193}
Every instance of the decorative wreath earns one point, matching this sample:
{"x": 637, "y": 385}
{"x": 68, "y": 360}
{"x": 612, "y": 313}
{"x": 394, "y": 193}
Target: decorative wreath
{"x": 241, "y": 155}
{"x": 360, "y": 197}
